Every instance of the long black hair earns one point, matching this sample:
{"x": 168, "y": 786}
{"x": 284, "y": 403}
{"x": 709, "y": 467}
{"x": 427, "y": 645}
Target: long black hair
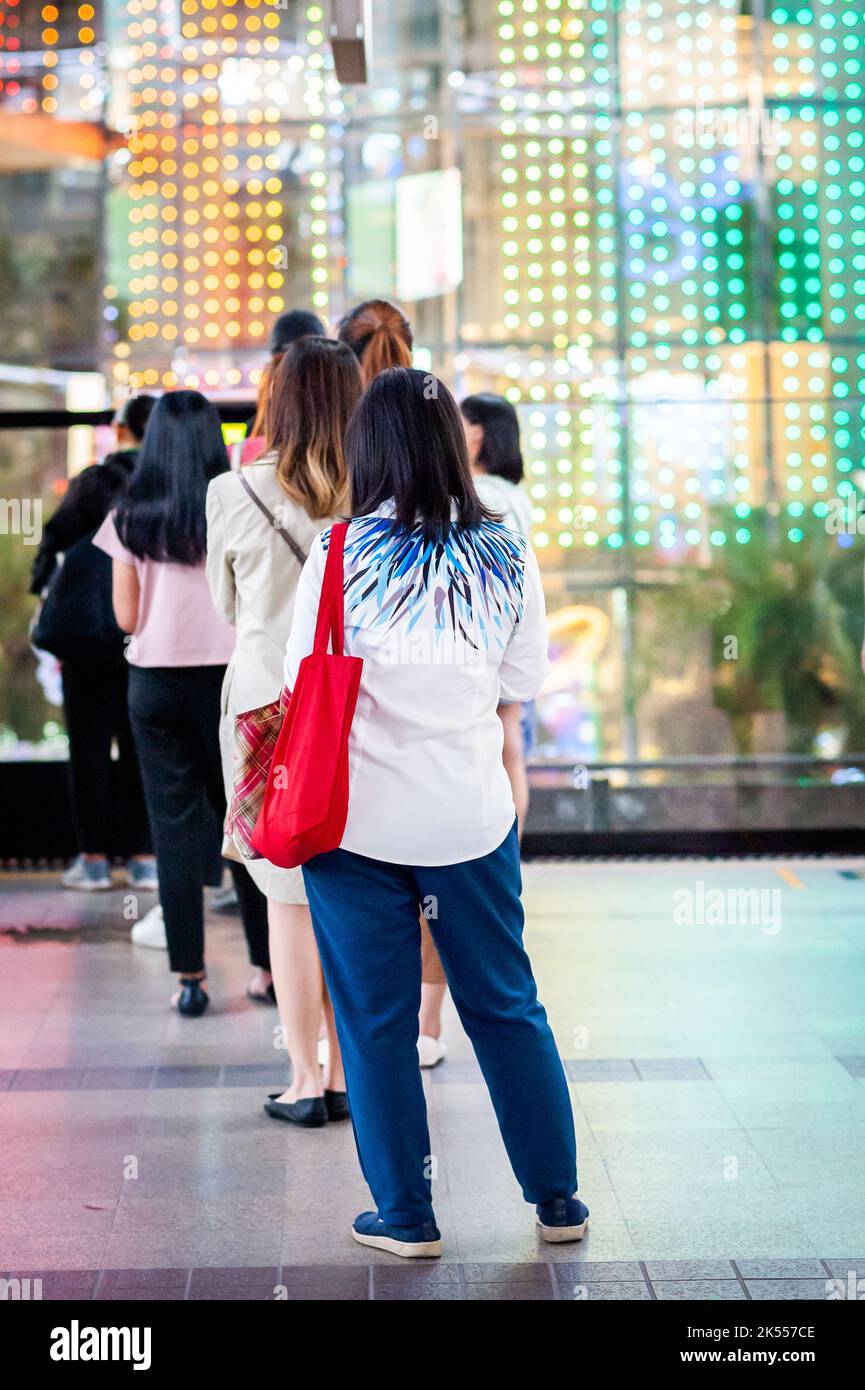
{"x": 500, "y": 450}
{"x": 162, "y": 514}
{"x": 405, "y": 444}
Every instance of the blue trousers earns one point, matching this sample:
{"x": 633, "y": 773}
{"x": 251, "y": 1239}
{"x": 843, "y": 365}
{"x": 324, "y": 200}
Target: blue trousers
{"x": 365, "y": 913}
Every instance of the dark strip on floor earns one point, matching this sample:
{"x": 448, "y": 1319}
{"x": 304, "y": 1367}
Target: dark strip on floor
{"x": 645, "y": 1280}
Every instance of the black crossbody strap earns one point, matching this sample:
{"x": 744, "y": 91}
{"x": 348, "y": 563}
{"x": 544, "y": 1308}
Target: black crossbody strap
{"x": 300, "y": 555}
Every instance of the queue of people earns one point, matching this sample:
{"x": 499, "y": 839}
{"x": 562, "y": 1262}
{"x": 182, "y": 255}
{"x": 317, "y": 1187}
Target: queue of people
{"x": 216, "y": 576}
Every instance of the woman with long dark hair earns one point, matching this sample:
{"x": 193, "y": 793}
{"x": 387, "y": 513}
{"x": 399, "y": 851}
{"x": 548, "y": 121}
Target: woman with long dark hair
{"x": 261, "y": 524}
{"x": 178, "y": 651}
{"x": 380, "y": 336}
{"x": 445, "y": 606}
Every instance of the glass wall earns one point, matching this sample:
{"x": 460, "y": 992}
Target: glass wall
{"x": 663, "y": 268}
{"x": 641, "y": 220}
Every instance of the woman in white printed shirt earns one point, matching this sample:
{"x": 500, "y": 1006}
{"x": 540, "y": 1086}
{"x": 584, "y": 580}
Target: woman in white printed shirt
{"x": 445, "y": 606}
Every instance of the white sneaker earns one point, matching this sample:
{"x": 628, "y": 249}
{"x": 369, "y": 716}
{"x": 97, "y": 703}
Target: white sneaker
{"x": 150, "y": 931}
{"x": 431, "y": 1051}
{"x": 88, "y": 875}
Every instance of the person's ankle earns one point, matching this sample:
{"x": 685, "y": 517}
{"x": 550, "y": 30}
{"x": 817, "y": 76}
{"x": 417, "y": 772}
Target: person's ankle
{"x": 306, "y": 1083}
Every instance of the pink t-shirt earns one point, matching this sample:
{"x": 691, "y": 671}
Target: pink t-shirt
{"x": 177, "y": 623}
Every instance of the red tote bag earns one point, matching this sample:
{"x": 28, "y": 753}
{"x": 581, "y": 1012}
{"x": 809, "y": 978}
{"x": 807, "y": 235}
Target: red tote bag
{"x": 306, "y": 798}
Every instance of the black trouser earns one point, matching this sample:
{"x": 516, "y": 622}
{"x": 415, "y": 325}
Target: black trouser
{"x": 95, "y": 706}
{"x": 175, "y": 719}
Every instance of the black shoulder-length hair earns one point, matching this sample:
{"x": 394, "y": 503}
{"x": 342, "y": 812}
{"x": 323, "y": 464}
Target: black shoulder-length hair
{"x": 405, "y": 444}
{"x": 162, "y": 513}
{"x": 500, "y": 450}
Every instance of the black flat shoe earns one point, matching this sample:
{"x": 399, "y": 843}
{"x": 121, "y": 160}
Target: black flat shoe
{"x": 310, "y": 1113}
{"x": 267, "y": 997}
{"x": 336, "y": 1104}
{"x": 193, "y": 999}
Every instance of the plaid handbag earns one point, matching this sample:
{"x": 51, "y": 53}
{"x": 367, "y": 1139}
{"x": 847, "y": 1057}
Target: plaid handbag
{"x": 255, "y": 735}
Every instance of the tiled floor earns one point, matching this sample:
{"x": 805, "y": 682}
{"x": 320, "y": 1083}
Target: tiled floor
{"x": 717, "y": 1068}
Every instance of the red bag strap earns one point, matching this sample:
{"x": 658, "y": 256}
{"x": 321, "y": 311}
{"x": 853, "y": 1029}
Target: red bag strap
{"x": 330, "y": 623}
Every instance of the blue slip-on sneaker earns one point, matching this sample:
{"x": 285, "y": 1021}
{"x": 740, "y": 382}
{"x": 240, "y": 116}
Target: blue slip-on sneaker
{"x": 563, "y": 1219}
{"x": 412, "y": 1242}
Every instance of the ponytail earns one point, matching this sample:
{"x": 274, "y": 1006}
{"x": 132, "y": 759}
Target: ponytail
{"x": 380, "y": 336}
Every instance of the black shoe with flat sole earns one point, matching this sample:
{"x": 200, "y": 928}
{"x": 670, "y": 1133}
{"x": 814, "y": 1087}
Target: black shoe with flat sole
{"x": 310, "y": 1113}
{"x": 268, "y": 997}
{"x": 193, "y": 999}
{"x": 336, "y": 1104}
